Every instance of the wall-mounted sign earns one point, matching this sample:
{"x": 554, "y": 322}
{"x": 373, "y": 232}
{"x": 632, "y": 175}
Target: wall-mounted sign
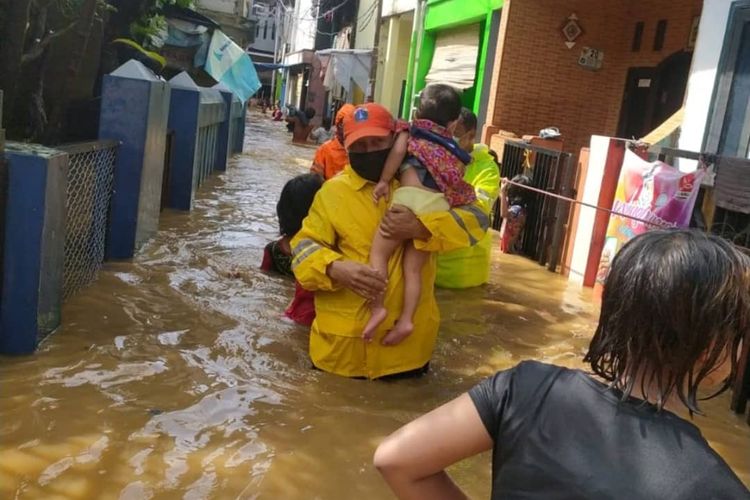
{"x": 591, "y": 58}
{"x": 571, "y": 30}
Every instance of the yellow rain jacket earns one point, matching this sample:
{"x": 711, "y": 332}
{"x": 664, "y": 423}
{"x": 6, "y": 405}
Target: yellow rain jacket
{"x": 341, "y": 225}
{"x": 468, "y": 267}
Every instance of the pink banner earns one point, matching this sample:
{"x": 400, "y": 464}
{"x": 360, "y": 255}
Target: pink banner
{"x": 649, "y": 195}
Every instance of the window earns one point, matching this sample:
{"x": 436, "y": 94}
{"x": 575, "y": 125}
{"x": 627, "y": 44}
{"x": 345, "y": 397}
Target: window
{"x": 661, "y": 32}
{"x": 265, "y": 29}
{"x": 729, "y": 129}
{"x": 637, "y": 36}
{"x": 273, "y": 32}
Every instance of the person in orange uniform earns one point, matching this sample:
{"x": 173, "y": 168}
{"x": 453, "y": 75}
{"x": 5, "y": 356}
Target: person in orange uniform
{"x": 330, "y": 157}
{"x": 331, "y": 255}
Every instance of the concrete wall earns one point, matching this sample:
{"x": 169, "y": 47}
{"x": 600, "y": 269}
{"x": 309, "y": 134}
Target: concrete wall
{"x": 304, "y": 26}
{"x": 393, "y": 60}
{"x": 367, "y": 22}
{"x": 225, "y": 6}
{"x": 539, "y": 82}
{"x": 394, "y": 7}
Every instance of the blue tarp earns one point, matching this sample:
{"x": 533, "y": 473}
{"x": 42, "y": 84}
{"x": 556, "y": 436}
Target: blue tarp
{"x": 265, "y": 66}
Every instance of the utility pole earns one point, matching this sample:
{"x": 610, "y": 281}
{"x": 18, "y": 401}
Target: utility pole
{"x": 2, "y": 130}
{"x": 277, "y": 9}
{"x": 375, "y": 48}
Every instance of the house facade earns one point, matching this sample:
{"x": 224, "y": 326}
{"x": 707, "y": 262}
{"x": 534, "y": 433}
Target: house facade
{"x": 590, "y": 67}
{"x": 234, "y": 17}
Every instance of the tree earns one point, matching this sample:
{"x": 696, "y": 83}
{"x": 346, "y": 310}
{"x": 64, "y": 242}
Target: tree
{"x": 29, "y": 28}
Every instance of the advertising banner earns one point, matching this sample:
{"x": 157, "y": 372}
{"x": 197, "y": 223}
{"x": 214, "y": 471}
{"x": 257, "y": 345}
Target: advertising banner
{"x": 650, "y": 195}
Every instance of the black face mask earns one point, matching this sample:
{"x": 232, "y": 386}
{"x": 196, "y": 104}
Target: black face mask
{"x": 369, "y": 165}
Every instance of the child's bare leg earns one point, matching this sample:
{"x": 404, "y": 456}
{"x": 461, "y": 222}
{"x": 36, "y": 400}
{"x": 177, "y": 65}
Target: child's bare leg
{"x": 414, "y": 261}
{"x": 380, "y": 254}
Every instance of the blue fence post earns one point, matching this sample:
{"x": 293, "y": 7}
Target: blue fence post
{"x": 214, "y": 113}
{"x": 135, "y": 107}
{"x": 33, "y": 247}
{"x": 183, "y": 120}
{"x": 226, "y": 130}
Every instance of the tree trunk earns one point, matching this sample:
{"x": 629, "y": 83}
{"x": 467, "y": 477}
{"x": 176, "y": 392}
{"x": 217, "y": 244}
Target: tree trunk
{"x": 81, "y": 34}
{"x": 37, "y": 112}
{"x": 12, "y": 39}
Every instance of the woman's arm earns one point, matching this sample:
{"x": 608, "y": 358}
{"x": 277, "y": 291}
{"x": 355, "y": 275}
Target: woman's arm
{"x": 504, "y": 199}
{"x": 414, "y": 458}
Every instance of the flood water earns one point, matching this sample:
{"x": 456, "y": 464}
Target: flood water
{"x": 170, "y": 379}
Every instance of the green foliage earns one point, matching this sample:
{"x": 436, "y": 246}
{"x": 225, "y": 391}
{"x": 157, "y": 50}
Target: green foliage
{"x": 148, "y": 30}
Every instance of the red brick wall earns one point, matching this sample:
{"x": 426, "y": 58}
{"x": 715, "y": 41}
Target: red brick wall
{"x": 539, "y": 82}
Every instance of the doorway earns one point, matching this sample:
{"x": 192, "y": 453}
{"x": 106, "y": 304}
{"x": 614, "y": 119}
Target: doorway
{"x": 633, "y": 118}
{"x": 653, "y": 94}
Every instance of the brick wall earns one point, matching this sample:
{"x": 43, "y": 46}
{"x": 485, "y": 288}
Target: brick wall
{"x": 538, "y": 82}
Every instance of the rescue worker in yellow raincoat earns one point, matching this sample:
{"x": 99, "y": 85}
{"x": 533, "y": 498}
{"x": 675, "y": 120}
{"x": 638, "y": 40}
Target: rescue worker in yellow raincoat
{"x": 331, "y": 259}
{"x": 470, "y": 267}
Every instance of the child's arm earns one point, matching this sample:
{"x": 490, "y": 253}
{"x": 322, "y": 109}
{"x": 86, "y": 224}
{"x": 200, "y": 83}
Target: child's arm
{"x": 504, "y": 198}
{"x": 392, "y": 164}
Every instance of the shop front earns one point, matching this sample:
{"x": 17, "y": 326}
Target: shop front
{"x": 454, "y": 44}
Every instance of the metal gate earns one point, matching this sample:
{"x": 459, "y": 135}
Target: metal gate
{"x": 90, "y": 176}
{"x": 546, "y": 217}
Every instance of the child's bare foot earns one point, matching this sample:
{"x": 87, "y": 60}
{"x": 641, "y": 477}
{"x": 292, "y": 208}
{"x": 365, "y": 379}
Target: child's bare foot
{"x": 399, "y": 332}
{"x": 378, "y": 316}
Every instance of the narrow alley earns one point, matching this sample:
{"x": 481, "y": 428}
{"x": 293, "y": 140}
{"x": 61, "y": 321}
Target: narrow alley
{"x": 171, "y": 378}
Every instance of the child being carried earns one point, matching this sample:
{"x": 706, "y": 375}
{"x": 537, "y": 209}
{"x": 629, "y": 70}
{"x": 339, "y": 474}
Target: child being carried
{"x": 431, "y": 168}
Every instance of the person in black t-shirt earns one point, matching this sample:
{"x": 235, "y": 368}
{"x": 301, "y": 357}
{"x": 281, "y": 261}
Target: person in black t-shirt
{"x": 674, "y": 309}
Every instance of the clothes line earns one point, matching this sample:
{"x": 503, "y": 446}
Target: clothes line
{"x": 583, "y": 203}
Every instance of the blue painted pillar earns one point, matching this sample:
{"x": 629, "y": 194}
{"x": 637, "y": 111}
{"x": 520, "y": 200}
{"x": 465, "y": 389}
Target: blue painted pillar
{"x": 214, "y": 113}
{"x": 34, "y": 246}
{"x": 135, "y": 107}
{"x": 226, "y": 130}
{"x": 183, "y": 120}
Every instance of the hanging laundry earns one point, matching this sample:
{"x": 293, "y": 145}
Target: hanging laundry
{"x": 732, "y": 184}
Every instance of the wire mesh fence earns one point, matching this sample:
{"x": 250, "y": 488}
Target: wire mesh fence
{"x": 90, "y": 177}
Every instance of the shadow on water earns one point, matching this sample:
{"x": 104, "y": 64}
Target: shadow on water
{"x": 170, "y": 379}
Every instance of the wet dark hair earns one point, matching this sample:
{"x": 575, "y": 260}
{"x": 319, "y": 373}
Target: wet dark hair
{"x": 516, "y": 194}
{"x": 439, "y": 103}
{"x": 467, "y": 119}
{"x": 676, "y": 303}
{"x": 295, "y": 201}
{"x": 327, "y": 123}
{"x": 310, "y": 113}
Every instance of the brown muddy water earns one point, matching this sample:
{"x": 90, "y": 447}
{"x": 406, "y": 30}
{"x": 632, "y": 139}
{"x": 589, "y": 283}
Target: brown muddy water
{"x": 169, "y": 379}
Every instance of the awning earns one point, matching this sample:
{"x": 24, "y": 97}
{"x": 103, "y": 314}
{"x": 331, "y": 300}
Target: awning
{"x": 454, "y": 61}
{"x": 346, "y": 65}
{"x": 266, "y": 66}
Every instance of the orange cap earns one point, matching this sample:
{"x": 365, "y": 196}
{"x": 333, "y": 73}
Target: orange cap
{"x": 368, "y": 120}
{"x": 343, "y": 112}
